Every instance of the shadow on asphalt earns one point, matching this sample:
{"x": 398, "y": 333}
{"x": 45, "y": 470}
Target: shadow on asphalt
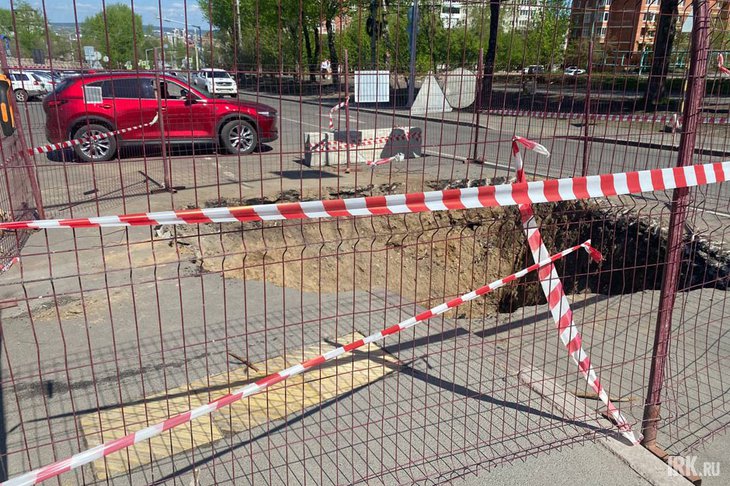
{"x": 152, "y": 151}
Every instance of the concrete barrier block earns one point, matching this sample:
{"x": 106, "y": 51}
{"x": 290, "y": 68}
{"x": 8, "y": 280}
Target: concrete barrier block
{"x": 371, "y": 144}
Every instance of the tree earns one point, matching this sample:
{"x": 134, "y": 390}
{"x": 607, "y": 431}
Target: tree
{"x": 491, "y": 54}
{"x": 117, "y": 23}
{"x": 27, "y": 26}
{"x": 665, "y": 33}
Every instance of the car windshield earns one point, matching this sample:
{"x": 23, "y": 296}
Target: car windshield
{"x": 63, "y": 84}
{"x": 218, "y": 74}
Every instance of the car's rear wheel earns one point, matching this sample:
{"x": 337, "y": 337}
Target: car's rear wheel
{"x": 98, "y": 150}
{"x": 21, "y": 95}
{"x": 239, "y": 137}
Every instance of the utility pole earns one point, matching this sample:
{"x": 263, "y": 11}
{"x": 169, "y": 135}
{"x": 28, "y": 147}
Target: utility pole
{"x": 413, "y": 32}
{"x": 239, "y": 38}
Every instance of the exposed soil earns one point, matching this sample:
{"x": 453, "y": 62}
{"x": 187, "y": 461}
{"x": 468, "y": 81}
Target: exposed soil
{"x": 432, "y": 256}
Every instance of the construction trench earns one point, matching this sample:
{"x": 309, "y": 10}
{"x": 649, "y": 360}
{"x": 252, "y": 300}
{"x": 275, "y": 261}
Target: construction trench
{"x": 428, "y": 256}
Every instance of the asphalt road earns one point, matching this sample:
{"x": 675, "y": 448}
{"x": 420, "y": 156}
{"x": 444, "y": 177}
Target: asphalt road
{"x": 446, "y": 146}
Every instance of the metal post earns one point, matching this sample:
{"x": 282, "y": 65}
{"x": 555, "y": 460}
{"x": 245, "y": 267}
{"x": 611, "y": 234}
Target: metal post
{"x": 347, "y": 111}
{"x": 374, "y": 36}
{"x": 28, "y": 160}
{"x": 198, "y": 47}
{"x": 414, "y": 36}
{"x": 586, "y": 129}
{"x": 161, "y": 121}
{"x": 478, "y": 103}
{"x": 680, "y": 200}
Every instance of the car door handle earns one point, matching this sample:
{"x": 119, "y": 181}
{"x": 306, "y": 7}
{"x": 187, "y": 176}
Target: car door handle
{"x": 163, "y": 109}
{"x": 107, "y": 106}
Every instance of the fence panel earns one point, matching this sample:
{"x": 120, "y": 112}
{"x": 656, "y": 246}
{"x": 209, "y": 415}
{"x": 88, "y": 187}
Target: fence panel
{"x": 219, "y": 104}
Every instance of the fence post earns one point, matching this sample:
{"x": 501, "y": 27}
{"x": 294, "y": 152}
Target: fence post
{"x": 167, "y": 175}
{"x": 587, "y": 108}
{"x": 346, "y": 73}
{"x": 680, "y": 201}
{"x": 478, "y": 104}
{"x": 27, "y": 159}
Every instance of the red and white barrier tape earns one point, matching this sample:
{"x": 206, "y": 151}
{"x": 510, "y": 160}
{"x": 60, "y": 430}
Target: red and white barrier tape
{"x": 333, "y": 110}
{"x": 558, "y": 303}
{"x": 710, "y": 120}
{"x": 328, "y": 145}
{"x": 9, "y": 264}
{"x": 721, "y": 65}
{"x": 44, "y": 149}
{"x": 534, "y": 192}
{"x": 103, "y": 450}
{"x": 395, "y": 158}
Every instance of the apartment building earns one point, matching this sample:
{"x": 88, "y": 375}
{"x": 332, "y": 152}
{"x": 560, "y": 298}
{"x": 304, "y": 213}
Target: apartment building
{"x": 629, "y": 26}
{"x": 520, "y": 14}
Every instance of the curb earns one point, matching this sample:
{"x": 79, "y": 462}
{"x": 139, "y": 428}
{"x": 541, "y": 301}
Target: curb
{"x": 650, "y": 145}
{"x": 637, "y": 458}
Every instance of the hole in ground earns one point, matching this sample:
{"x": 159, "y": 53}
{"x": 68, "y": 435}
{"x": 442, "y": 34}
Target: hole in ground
{"x": 432, "y": 256}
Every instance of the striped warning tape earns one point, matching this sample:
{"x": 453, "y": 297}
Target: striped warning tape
{"x": 399, "y": 157}
{"x": 558, "y": 303}
{"x": 329, "y": 145}
{"x": 721, "y": 65}
{"x": 333, "y": 110}
{"x": 5, "y": 267}
{"x": 98, "y": 452}
{"x": 44, "y": 149}
{"x": 710, "y": 120}
{"x": 534, "y": 192}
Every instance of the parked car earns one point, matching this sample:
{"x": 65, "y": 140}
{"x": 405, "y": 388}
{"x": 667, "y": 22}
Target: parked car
{"x": 534, "y": 69}
{"x": 26, "y": 85}
{"x": 216, "y": 82}
{"x": 95, "y": 104}
{"x": 574, "y": 71}
{"x": 48, "y": 81}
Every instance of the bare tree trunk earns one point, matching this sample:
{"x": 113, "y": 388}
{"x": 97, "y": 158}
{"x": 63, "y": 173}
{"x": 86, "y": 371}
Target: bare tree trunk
{"x": 491, "y": 53}
{"x": 310, "y": 57}
{"x": 666, "y": 29}
{"x": 334, "y": 62}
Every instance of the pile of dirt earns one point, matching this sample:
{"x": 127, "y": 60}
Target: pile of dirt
{"x": 432, "y": 256}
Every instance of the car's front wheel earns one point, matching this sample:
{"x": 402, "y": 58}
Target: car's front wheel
{"x": 21, "y": 95}
{"x": 239, "y": 137}
{"x": 94, "y": 149}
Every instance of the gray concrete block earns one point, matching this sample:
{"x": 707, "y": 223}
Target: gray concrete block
{"x": 369, "y": 144}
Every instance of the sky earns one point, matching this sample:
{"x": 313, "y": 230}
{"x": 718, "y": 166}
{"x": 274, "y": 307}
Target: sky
{"x": 63, "y": 11}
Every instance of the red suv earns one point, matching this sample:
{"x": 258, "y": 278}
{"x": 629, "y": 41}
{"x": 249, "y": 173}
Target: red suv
{"x": 98, "y": 103}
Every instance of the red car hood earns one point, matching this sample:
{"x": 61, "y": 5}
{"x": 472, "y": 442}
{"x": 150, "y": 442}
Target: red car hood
{"x": 259, "y": 107}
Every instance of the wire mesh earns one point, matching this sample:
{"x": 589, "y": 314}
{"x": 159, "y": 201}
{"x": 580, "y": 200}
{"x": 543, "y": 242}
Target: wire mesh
{"x": 106, "y": 331}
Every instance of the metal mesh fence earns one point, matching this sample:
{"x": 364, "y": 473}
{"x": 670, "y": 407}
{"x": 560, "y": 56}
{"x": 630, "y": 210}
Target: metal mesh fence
{"x": 108, "y": 330}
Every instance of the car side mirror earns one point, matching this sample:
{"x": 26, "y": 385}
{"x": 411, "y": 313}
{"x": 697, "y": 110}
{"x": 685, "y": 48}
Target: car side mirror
{"x": 190, "y": 98}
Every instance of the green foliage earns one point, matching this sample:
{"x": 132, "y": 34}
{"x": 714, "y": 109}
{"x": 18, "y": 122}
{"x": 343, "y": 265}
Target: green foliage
{"x": 116, "y": 23}
{"x": 439, "y": 48}
{"x": 542, "y": 42}
{"x": 271, "y": 33}
{"x": 31, "y": 32}
{"x": 29, "y": 28}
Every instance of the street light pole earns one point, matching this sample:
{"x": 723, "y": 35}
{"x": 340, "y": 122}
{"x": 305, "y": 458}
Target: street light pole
{"x": 197, "y": 42}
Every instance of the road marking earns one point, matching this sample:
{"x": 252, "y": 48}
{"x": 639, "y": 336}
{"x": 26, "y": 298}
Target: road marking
{"x": 320, "y": 126}
{"x": 298, "y": 393}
